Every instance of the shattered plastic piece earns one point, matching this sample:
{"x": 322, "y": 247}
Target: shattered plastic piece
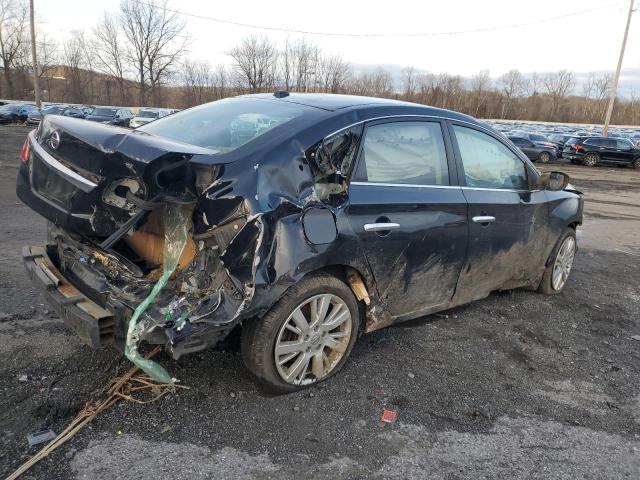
{"x": 388, "y": 416}
{"x": 176, "y": 226}
{"x": 635, "y": 337}
{"x": 37, "y": 438}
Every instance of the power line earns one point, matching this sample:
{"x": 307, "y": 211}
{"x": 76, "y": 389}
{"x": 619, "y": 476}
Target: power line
{"x": 382, "y": 35}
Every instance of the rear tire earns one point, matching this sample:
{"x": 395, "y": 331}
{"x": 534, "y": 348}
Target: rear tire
{"x": 591, "y": 159}
{"x": 636, "y": 163}
{"x": 559, "y": 264}
{"x": 575, "y": 162}
{"x": 323, "y": 349}
{"x": 544, "y": 157}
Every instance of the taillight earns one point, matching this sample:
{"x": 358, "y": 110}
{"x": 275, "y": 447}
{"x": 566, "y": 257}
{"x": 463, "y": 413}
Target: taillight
{"x": 579, "y": 148}
{"x": 24, "y": 153}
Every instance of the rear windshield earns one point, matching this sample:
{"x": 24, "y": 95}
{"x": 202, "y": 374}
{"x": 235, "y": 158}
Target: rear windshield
{"x": 224, "y": 125}
{"x": 574, "y": 140}
{"x": 105, "y": 112}
{"x": 148, "y": 114}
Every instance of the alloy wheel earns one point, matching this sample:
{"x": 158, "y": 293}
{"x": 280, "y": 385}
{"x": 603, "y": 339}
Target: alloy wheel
{"x": 313, "y": 339}
{"x": 563, "y": 263}
{"x": 544, "y": 157}
{"x": 591, "y": 159}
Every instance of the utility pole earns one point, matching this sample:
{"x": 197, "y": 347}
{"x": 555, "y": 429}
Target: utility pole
{"x": 36, "y": 76}
{"x": 614, "y": 85}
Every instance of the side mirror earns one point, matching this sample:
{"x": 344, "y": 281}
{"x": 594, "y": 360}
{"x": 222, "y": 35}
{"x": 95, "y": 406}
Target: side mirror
{"x": 554, "y": 181}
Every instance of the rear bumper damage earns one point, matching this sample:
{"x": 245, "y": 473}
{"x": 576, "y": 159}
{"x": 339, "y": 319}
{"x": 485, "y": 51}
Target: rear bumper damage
{"x": 101, "y": 320}
{"x": 96, "y": 326}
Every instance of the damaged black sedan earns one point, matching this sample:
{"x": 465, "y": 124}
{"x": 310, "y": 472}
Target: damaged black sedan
{"x": 304, "y": 220}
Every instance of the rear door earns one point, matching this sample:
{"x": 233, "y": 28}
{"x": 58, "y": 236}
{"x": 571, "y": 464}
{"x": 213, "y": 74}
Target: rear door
{"x": 623, "y": 152}
{"x": 507, "y": 219}
{"x": 409, "y": 214}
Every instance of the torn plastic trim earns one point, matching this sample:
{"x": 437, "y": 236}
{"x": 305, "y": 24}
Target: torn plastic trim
{"x": 176, "y": 226}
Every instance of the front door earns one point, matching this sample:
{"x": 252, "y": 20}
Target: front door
{"x": 408, "y": 214}
{"x": 507, "y": 219}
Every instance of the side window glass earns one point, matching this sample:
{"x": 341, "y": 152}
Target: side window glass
{"x": 623, "y": 145}
{"x": 404, "y": 153}
{"x": 487, "y": 162}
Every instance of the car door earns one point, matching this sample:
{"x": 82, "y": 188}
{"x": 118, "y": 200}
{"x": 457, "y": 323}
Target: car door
{"x": 507, "y": 218}
{"x": 624, "y": 151}
{"x": 409, "y": 214}
{"x": 529, "y": 148}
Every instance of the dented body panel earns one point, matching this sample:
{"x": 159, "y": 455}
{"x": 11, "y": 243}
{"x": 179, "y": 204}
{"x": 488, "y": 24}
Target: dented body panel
{"x": 267, "y": 212}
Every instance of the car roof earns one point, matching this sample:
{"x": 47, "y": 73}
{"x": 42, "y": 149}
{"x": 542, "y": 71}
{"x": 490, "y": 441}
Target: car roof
{"x": 329, "y": 101}
{"x": 367, "y": 108}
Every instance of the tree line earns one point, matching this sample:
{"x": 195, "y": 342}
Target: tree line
{"x": 139, "y": 56}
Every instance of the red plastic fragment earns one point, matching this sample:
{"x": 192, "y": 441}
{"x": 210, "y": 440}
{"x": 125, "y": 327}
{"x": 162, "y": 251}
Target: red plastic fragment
{"x": 389, "y": 416}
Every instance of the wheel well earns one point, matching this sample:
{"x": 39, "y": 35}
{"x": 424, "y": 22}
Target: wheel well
{"x": 574, "y": 225}
{"x": 341, "y": 272}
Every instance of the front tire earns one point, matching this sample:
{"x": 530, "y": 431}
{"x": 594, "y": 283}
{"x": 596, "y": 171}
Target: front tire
{"x": 559, "y": 264}
{"x": 305, "y": 338}
{"x": 636, "y": 163}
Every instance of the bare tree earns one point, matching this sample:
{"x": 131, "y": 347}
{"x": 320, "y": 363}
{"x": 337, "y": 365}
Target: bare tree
{"x": 409, "y": 82}
{"x": 513, "y": 85}
{"x": 156, "y": 39}
{"x": 110, "y": 52}
{"x": 480, "y": 89}
{"x": 13, "y": 39}
{"x": 558, "y": 85}
{"x": 333, "y": 73}
{"x": 74, "y": 57}
{"x": 255, "y": 62}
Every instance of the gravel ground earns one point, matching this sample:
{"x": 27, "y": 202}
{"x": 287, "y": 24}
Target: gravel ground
{"x": 518, "y": 385}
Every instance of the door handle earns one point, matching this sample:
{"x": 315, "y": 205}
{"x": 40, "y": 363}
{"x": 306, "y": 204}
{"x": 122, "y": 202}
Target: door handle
{"x": 484, "y": 219}
{"x": 380, "y": 227}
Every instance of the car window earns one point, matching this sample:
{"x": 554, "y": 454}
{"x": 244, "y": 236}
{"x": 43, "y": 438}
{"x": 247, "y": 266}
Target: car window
{"x": 623, "y": 145}
{"x": 487, "y": 162}
{"x": 596, "y": 142}
{"x": 226, "y": 124}
{"x": 404, "y": 153}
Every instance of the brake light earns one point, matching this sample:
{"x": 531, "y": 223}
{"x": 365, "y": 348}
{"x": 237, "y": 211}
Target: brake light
{"x": 579, "y": 148}
{"x": 24, "y": 153}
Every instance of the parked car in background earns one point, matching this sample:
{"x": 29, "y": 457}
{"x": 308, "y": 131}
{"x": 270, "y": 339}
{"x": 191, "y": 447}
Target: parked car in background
{"x": 146, "y": 115}
{"x": 559, "y": 139}
{"x": 111, "y": 116}
{"x": 338, "y": 215}
{"x": 75, "y": 112}
{"x": 591, "y": 151}
{"x": 535, "y": 151}
{"x": 25, "y": 110}
{"x": 12, "y": 113}
{"x": 36, "y": 115}
{"x": 536, "y": 138}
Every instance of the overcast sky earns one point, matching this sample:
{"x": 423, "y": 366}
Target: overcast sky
{"x": 580, "y": 43}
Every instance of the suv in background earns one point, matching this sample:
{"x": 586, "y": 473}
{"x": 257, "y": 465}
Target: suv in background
{"x": 111, "y": 116}
{"x": 591, "y": 151}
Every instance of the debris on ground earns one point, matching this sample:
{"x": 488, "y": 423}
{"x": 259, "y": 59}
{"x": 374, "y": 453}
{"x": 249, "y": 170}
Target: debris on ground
{"x": 388, "y": 416}
{"x": 635, "y": 337}
{"x": 36, "y": 438}
{"x": 23, "y": 378}
{"x": 131, "y": 386}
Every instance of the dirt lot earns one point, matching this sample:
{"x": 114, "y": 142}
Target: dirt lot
{"x": 515, "y": 386}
